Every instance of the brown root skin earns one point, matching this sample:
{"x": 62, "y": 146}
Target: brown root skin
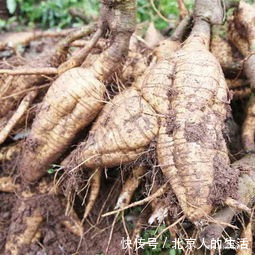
{"x": 247, "y": 235}
{"x": 212, "y": 11}
{"x": 222, "y": 50}
{"x": 240, "y": 43}
{"x": 187, "y": 127}
{"x": 141, "y": 223}
{"x": 215, "y": 230}
{"x": 239, "y": 88}
{"x": 66, "y": 109}
{"x": 123, "y": 132}
{"x": 246, "y": 193}
{"x": 242, "y": 93}
{"x": 7, "y": 185}
{"x": 44, "y": 63}
{"x": 12, "y": 40}
{"x": 135, "y": 127}
{"x": 18, "y": 115}
{"x": 10, "y": 152}
{"x": 30, "y": 212}
{"x": 94, "y": 191}
{"x": 130, "y": 186}
{"x": 244, "y": 24}
{"x": 244, "y": 21}
{"x": 182, "y": 9}
{"x": 15, "y": 241}
{"x": 79, "y": 58}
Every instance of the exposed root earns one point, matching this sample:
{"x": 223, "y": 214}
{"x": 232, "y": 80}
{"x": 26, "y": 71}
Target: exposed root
{"x": 79, "y": 58}
{"x": 240, "y": 43}
{"x": 83, "y": 100}
{"x": 94, "y": 191}
{"x": 246, "y": 193}
{"x": 7, "y": 185}
{"x": 248, "y": 132}
{"x": 243, "y": 26}
{"x": 141, "y": 223}
{"x": 148, "y": 199}
{"x": 236, "y": 205}
{"x": 223, "y": 51}
{"x": 12, "y": 40}
{"x": 14, "y": 88}
{"x": 73, "y": 224}
{"x": 242, "y": 93}
{"x": 171, "y": 226}
{"x": 17, "y": 116}
{"x": 247, "y": 236}
{"x": 130, "y": 186}
{"x": 30, "y": 71}
{"x": 8, "y": 153}
{"x": 31, "y": 223}
{"x": 30, "y": 213}
{"x": 182, "y": 9}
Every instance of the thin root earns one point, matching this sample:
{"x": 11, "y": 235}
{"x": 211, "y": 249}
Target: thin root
{"x": 17, "y": 116}
{"x": 94, "y": 191}
{"x": 79, "y": 58}
{"x": 237, "y": 205}
{"x": 158, "y": 193}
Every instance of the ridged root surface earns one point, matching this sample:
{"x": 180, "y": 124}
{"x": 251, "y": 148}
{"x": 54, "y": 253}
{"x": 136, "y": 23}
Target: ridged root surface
{"x": 77, "y": 96}
{"x": 192, "y": 133}
{"x": 75, "y": 105}
{"x": 121, "y": 133}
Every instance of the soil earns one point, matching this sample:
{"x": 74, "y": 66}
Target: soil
{"x": 55, "y": 238}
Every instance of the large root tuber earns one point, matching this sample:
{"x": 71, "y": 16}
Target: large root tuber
{"x": 223, "y": 51}
{"x": 13, "y": 88}
{"x": 77, "y": 96}
{"x": 130, "y": 122}
{"x": 242, "y": 28}
{"x": 191, "y": 142}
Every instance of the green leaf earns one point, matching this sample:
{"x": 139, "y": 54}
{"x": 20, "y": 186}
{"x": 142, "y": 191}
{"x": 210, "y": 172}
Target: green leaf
{"x": 51, "y": 171}
{"x": 172, "y": 252}
{"x": 11, "y": 6}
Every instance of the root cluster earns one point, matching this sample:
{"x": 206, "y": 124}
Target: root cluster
{"x": 106, "y": 122}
